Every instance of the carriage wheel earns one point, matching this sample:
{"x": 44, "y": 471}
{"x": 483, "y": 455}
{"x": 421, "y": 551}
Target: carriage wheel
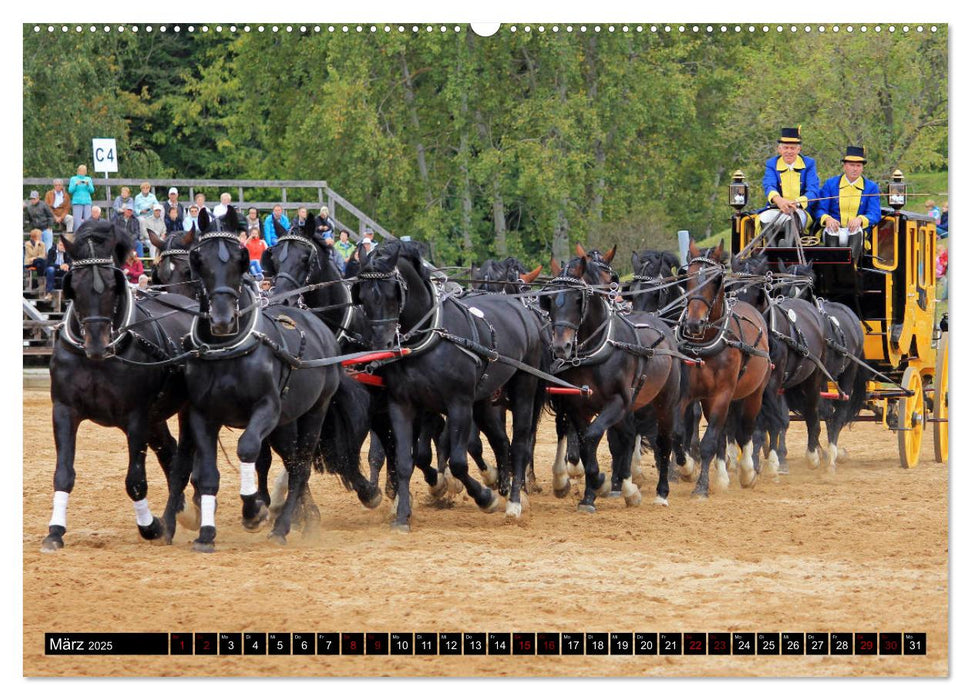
{"x": 910, "y": 419}
{"x": 940, "y": 401}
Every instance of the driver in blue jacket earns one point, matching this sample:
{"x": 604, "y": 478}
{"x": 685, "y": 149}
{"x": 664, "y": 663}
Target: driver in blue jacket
{"x": 791, "y": 181}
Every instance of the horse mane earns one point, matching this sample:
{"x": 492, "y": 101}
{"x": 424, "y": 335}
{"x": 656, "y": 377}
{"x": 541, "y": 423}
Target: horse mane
{"x": 380, "y": 257}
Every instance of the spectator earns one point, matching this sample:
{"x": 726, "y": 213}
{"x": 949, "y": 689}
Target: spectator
{"x": 133, "y": 268}
{"x": 941, "y": 274}
{"x": 95, "y": 212}
{"x": 269, "y": 229}
{"x": 58, "y": 264}
{"x": 173, "y": 203}
{"x": 225, "y": 202}
{"x": 344, "y": 249}
{"x": 201, "y": 203}
{"x": 145, "y": 201}
{"x": 354, "y": 262}
{"x": 134, "y": 228}
{"x": 156, "y": 224}
{"x": 81, "y": 187}
{"x": 120, "y": 201}
{"x": 368, "y": 240}
{"x": 301, "y": 219}
{"x": 192, "y": 218}
{"x": 173, "y": 221}
{"x": 60, "y": 203}
{"x": 933, "y": 211}
{"x": 38, "y": 215}
{"x": 255, "y": 245}
{"x": 325, "y": 224}
{"x": 35, "y": 252}
{"x": 942, "y": 224}
{"x": 252, "y": 221}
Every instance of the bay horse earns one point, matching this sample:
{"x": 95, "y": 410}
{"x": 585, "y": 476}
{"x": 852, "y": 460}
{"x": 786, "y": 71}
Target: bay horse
{"x": 107, "y": 367}
{"x": 733, "y": 341}
{"x": 464, "y": 355}
{"x": 629, "y": 362}
{"x": 249, "y": 369}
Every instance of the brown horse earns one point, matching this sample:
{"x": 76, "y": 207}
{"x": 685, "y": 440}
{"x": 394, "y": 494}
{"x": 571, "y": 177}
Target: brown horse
{"x": 732, "y": 339}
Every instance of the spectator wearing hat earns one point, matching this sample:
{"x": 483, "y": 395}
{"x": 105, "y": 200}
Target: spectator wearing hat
{"x": 849, "y": 203}
{"x": 173, "y": 203}
{"x": 155, "y": 224}
{"x": 38, "y": 215}
{"x": 791, "y": 180}
{"x": 81, "y": 187}
{"x": 133, "y": 227}
{"x": 144, "y": 201}
{"x": 120, "y": 201}
{"x": 60, "y": 203}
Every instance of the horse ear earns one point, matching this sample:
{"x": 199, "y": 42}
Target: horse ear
{"x": 670, "y": 262}
{"x": 530, "y": 277}
{"x": 68, "y": 241}
{"x": 204, "y": 220}
{"x": 231, "y": 219}
{"x": 635, "y": 261}
{"x": 694, "y": 249}
{"x": 156, "y": 241}
{"x": 189, "y": 236}
{"x": 580, "y": 251}
{"x": 555, "y": 267}
{"x": 720, "y": 250}
{"x": 609, "y": 257}
{"x": 266, "y": 262}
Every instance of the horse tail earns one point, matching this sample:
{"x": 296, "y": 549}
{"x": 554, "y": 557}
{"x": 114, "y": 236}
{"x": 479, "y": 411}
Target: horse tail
{"x": 858, "y": 391}
{"x": 345, "y": 428}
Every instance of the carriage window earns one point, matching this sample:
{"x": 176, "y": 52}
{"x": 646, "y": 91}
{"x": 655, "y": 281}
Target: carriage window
{"x": 885, "y": 244}
{"x": 921, "y": 254}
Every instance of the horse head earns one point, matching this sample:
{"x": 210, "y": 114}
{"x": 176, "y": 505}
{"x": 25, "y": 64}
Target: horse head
{"x": 219, "y": 262}
{"x": 298, "y": 258}
{"x": 802, "y": 281}
{"x": 653, "y": 275}
{"x": 96, "y": 284}
{"x": 392, "y": 290}
{"x": 705, "y": 286}
{"x": 566, "y": 299}
{"x": 172, "y": 271}
{"x": 752, "y": 290}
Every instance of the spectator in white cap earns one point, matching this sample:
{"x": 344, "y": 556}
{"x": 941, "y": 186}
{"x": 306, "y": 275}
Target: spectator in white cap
{"x": 173, "y": 203}
{"x": 154, "y": 224}
{"x": 369, "y": 240}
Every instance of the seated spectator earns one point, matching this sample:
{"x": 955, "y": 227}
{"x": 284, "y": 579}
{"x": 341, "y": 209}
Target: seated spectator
{"x": 120, "y": 201}
{"x": 325, "y": 224}
{"x": 58, "y": 264}
{"x": 301, "y": 220}
{"x": 933, "y": 210}
{"x": 173, "y": 221}
{"x": 173, "y": 203}
{"x": 942, "y": 225}
{"x": 225, "y": 204}
{"x": 252, "y": 221}
{"x": 192, "y": 219}
{"x": 156, "y": 224}
{"x": 81, "y": 187}
{"x": 38, "y": 215}
{"x": 133, "y": 228}
{"x": 201, "y": 202}
{"x": 344, "y": 249}
{"x": 269, "y": 227}
{"x": 144, "y": 201}
{"x": 95, "y": 213}
{"x": 35, "y": 252}
{"x": 60, "y": 203}
{"x": 255, "y": 245}
{"x": 133, "y": 268}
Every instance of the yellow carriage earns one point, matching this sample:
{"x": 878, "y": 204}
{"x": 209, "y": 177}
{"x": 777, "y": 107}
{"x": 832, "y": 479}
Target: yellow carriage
{"x": 892, "y": 286}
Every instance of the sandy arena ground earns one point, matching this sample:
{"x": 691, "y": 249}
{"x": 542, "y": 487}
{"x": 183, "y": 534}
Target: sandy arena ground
{"x": 863, "y": 551}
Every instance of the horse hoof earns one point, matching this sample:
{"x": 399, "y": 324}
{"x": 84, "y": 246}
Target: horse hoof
{"x": 514, "y": 510}
{"x": 190, "y": 517}
{"x": 375, "y": 500}
{"x": 574, "y": 469}
{"x": 699, "y": 495}
{"x": 153, "y": 530}
{"x": 439, "y": 488}
{"x": 454, "y": 485}
{"x": 659, "y": 501}
{"x": 813, "y": 459}
{"x": 401, "y": 528}
{"x": 276, "y": 538}
{"x": 633, "y": 501}
{"x": 256, "y": 522}
{"x": 51, "y": 543}
{"x": 615, "y": 494}
{"x": 493, "y": 505}
{"x": 586, "y": 508}
{"x": 604, "y": 487}
{"x": 490, "y": 476}
{"x": 842, "y": 455}
{"x": 204, "y": 547}
{"x": 563, "y": 492}
{"x": 747, "y": 478}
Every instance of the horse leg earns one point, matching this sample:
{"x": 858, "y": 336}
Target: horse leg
{"x": 296, "y": 444}
{"x": 621, "y": 439}
{"x": 177, "y": 508}
{"x": 429, "y": 428}
{"x": 490, "y": 420}
{"x": 66, "y": 421}
{"x": 204, "y": 433}
{"x": 666, "y": 429}
{"x": 749, "y": 409}
{"x": 460, "y": 427}
{"x": 561, "y": 479}
{"x": 402, "y": 418}
{"x": 525, "y": 415}
{"x": 597, "y": 483}
{"x": 136, "y": 483}
{"x": 716, "y": 411}
{"x": 262, "y": 421}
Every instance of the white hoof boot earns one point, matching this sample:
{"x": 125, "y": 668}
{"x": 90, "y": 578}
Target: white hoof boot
{"x": 658, "y": 501}
{"x": 632, "y": 494}
{"x": 454, "y": 485}
{"x": 604, "y": 489}
{"x": 490, "y": 476}
{"x": 733, "y": 452}
{"x": 513, "y": 510}
{"x": 574, "y": 470}
{"x": 720, "y": 479}
{"x": 772, "y": 464}
{"x": 813, "y": 459}
{"x": 832, "y": 456}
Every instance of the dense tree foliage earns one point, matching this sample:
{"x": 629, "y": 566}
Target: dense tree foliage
{"x": 517, "y": 144}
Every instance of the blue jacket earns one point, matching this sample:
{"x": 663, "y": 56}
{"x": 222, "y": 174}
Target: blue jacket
{"x": 829, "y": 205}
{"x": 808, "y": 180}
{"x": 81, "y": 193}
{"x": 269, "y": 230}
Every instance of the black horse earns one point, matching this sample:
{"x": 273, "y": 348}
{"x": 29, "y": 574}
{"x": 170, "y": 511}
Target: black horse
{"x": 464, "y": 356}
{"x": 252, "y": 369}
{"x": 108, "y": 367}
{"x": 172, "y": 273}
{"x": 629, "y": 361}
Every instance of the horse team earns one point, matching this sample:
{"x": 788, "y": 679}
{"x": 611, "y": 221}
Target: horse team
{"x": 402, "y": 352}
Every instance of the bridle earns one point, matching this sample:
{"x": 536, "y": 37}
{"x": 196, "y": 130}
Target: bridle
{"x": 313, "y": 264}
{"x": 402, "y": 287}
{"x": 696, "y": 295}
{"x": 221, "y": 237}
{"x": 99, "y": 286}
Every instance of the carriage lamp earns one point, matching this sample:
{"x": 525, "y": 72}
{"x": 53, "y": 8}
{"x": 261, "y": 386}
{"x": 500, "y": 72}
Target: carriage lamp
{"x": 738, "y": 191}
{"x": 897, "y": 190}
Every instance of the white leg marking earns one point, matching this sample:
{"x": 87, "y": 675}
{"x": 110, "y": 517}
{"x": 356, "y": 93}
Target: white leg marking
{"x": 832, "y": 457}
{"x": 208, "y": 511}
{"x": 574, "y": 469}
{"x": 632, "y": 494}
{"x": 559, "y": 461}
{"x": 604, "y": 487}
{"x": 813, "y": 458}
{"x": 658, "y": 501}
{"x": 560, "y": 481}
{"x": 721, "y": 479}
{"x": 733, "y": 452}
{"x": 247, "y": 478}
{"x": 843, "y": 455}
{"x": 635, "y": 460}
{"x": 280, "y": 487}
{"x": 454, "y": 485}
{"x": 772, "y": 464}
{"x": 746, "y": 466}
{"x": 59, "y": 515}
{"x": 689, "y": 469}
{"x": 514, "y": 510}
{"x": 143, "y": 514}
{"x": 491, "y": 476}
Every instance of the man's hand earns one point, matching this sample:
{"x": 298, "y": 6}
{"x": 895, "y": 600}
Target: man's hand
{"x": 786, "y": 206}
{"x": 65, "y": 267}
{"x": 856, "y": 223}
{"x": 832, "y": 225}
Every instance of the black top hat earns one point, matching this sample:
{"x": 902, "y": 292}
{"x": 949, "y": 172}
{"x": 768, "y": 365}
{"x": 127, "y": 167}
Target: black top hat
{"x": 855, "y": 154}
{"x": 791, "y": 135}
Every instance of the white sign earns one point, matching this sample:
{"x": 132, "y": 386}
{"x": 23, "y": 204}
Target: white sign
{"x": 105, "y": 155}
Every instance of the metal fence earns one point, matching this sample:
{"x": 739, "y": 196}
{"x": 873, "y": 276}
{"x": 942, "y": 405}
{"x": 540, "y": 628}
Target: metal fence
{"x": 340, "y": 209}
